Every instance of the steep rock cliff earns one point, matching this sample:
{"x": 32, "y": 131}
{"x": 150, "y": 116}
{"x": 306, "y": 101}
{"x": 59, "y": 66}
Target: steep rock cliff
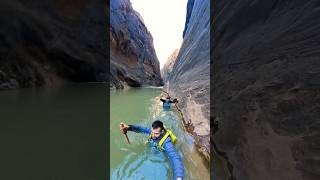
{"x": 265, "y": 88}
{"x": 133, "y": 58}
{"x": 50, "y": 42}
{"x": 190, "y": 74}
{"x": 167, "y": 68}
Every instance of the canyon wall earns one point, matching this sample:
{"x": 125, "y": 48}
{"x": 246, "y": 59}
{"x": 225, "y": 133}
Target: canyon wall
{"x": 133, "y": 58}
{"x": 265, "y": 88}
{"x": 190, "y": 74}
{"x": 52, "y": 42}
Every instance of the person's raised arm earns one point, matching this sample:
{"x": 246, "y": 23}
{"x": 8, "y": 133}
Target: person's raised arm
{"x": 134, "y": 128}
{"x": 174, "y": 101}
{"x": 175, "y": 160}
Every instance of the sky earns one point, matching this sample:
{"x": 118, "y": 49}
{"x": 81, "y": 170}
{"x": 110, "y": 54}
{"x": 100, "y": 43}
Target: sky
{"x": 165, "y": 21}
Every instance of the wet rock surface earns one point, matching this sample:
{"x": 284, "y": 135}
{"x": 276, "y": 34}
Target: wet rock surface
{"x": 52, "y": 42}
{"x": 265, "y": 88}
{"x": 133, "y": 58}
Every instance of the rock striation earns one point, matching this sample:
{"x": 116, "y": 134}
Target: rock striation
{"x": 189, "y": 77}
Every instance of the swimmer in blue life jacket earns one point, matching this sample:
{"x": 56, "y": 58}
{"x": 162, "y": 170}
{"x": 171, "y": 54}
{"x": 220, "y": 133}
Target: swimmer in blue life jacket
{"x": 161, "y": 138}
{"x": 167, "y": 102}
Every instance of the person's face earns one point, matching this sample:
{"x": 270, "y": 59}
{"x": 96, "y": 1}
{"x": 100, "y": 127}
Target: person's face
{"x": 156, "y": 133}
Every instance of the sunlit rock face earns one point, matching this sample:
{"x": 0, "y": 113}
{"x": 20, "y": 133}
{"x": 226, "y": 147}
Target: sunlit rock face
{"x": 189, "y": 76}
{"x": 265, "y": 88}
{"x": 52, "y": 42}
{"x": 167, "y": 68}
{"x": 133, "y": 58}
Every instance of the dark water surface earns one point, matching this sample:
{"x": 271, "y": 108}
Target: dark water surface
{"x": 53, "y": 134}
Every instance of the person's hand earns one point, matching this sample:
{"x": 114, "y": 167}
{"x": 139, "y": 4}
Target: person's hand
{"x": 123, "y": 127}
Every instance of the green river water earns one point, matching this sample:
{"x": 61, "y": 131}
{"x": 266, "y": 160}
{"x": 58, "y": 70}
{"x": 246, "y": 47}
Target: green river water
{"x": 62, "y": 134}
{"x": 135, "y": 161}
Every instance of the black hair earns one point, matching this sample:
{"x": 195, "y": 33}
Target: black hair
{"x": 157, "y": 124}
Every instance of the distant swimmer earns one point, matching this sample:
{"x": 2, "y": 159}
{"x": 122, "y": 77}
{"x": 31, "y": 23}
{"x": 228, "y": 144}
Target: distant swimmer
{"x": 167, "y": 102}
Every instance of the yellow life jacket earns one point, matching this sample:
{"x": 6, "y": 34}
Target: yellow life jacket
{"x": 166, "y": 135}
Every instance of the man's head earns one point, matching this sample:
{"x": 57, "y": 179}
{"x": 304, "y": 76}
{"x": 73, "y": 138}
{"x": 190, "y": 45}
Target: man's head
{"x": 157, "y": 127}
{"x": 168, "y": 97}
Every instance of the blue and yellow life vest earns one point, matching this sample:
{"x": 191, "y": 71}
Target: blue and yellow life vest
{"x": 166, "y": 135}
